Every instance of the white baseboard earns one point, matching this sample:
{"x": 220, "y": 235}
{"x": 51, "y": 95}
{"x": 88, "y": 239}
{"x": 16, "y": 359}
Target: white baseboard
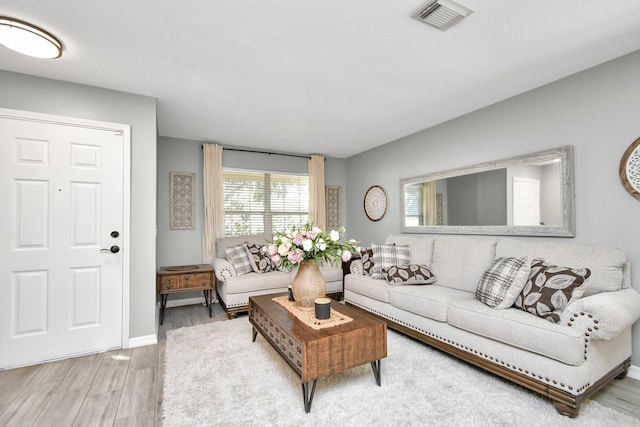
{"x": 634, "y": 372}
{"x": 142, "y": 341}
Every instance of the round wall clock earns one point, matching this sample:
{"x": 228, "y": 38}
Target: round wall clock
{"x": 630, "y": 169}
{"x": 375, "y": 203}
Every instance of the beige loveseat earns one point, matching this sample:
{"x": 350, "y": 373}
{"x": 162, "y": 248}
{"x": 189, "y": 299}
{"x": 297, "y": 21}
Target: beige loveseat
{"x": 235, "y": 288}
{"x": 566, "y": 361}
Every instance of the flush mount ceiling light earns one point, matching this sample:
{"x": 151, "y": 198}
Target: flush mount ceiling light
{"x": 442, "y": 14}
{"x": 28, "y": 39}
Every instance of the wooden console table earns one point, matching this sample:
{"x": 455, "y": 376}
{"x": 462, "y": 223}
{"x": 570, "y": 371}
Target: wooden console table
{"x": 186, "y": 278}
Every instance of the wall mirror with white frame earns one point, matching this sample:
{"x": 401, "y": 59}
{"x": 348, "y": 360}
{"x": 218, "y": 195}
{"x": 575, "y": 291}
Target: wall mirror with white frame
{"x": 528, "y": 195}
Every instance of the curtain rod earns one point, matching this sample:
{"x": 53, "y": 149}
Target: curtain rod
{"x": 266, "y": 152}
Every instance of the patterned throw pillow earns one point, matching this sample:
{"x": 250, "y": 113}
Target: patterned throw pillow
{"x": 503, "y": 281}
{"x": 412, "y": 274}
{"x": 366, "y": 254}
{"x": 259, "y": 258}
{"x": 237, "y": 256}
{"x": 551, "y": 288}
{"x": 388, "y": 256}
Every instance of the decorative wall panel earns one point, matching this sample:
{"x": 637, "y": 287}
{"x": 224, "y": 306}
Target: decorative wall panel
{"x": 333, "y": 205}
{"x": 183, "y": 201}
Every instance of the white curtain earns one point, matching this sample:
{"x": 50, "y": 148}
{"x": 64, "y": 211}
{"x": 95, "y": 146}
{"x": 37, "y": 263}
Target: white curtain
{"x": 429, "y": 208}
{"x": 317, "y": 213}
{"x": 213, "y": 200}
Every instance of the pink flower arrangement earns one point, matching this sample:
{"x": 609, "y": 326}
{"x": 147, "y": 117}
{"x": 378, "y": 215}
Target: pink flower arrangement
{"x": 308, "y": 243}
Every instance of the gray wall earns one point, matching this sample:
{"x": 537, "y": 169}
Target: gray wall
{"x": 596, "y": 111}
{"x": 28, "y": 93}
{"x": 176, "y": 247}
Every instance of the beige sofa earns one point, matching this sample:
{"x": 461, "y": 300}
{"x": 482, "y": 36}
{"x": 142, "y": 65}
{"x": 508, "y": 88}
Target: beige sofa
{"x": 566, "y": 361}
{"x": 234, "y": 289}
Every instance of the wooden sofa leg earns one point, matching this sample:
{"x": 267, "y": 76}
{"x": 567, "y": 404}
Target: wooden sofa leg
{"x": 231, "y": 315}
{"x": 564, "y": 409}
{"x": 622, "y": 375}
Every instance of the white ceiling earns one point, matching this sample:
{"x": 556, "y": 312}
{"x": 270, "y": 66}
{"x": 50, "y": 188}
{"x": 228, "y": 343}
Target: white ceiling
{"x": 335, "y": 77}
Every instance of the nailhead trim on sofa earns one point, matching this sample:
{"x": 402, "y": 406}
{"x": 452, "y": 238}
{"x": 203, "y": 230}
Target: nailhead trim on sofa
{"x": 552, "y": 382}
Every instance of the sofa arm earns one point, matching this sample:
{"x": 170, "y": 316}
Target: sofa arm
{"x": 604, "y": 315}
{"x": 224, "y": 269}
{"x": 356, "y": 267}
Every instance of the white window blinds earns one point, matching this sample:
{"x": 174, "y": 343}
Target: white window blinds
{"x": 262, "y": 202}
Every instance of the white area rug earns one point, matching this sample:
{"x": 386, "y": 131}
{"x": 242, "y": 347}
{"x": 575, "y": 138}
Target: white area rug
{"x": 215, "y": 375}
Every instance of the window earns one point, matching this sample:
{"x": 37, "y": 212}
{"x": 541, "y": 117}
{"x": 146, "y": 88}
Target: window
{"x": 261, "y": 202}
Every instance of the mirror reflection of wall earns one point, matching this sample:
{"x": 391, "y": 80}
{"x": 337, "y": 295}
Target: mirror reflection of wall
{"x": 531, "y": 194}
{"x": 523, "y": 195}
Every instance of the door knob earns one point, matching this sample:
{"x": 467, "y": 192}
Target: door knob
{"x": 113, "y": 249}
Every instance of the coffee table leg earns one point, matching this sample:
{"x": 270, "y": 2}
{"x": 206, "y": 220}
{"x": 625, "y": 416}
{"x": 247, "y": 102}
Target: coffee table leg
{"x": 305, "y": 395}
{"x": 254, "y": 334}
{"x": 377, "y": 370}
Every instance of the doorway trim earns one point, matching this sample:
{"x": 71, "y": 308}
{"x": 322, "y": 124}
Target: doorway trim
{"x": 125, "y": 130}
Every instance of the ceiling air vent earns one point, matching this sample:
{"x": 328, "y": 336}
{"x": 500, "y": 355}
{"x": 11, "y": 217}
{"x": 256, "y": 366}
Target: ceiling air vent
{"x": 441, "y": 13}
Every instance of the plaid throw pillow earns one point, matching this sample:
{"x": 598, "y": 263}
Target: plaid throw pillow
{"x": 388, "y": 256}
{"x": 412, "y": 274}
{"x": 238, "y": 257}
{"x": 503, "y": 281}
{"x": 551, "y": 288}
{"x": 366, "y": 254}
{"x": 259, "y": 258}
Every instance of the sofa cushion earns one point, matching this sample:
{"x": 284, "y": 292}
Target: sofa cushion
{"x": 366, "y": 254}
{"x": 238, "y": 257}
{"x": 517, "y": 328}
{"x": 503, "y": 281}
{"x": 228, "y": 242}
{"x": 387, "y": 256}
{"x": 551, "y": 288}
{"x": 252, "y": 282}
{"x": 331, "y": 273}
{"x": 458, "y": 262}
{"x": 421, "y": 247}
{"x": 367, "y": 286}
{"x": 606, "y": 263}
{"x": 427, "y": 301}
{"x": 412, "y": 274}
{"x": 259, "y": 258}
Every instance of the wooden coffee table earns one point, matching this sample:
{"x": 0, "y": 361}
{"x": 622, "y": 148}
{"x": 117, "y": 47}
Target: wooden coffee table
{"x": 317, "y": 353}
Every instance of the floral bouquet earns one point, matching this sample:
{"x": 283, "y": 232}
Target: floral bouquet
{"x": 308, "y": 243}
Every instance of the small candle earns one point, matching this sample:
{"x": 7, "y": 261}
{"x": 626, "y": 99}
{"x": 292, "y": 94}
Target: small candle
{"x": 323, "y": 308}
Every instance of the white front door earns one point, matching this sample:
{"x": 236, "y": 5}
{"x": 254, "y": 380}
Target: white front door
{"x": 62, "y": 205}
{"x": 526, "y": 201}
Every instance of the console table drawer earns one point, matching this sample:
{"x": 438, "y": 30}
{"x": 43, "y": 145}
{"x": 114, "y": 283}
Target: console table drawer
{"x": 197, "y": 280}
{"x": 168, "y": 282}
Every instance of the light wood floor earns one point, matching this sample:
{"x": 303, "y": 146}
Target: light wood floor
{"x": 124, "y": 387}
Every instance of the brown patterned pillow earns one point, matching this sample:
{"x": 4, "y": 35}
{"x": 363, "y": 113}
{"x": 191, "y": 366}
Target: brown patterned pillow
{"x": 259, "y": 258}
{"x": 551, "y": 288}
{"x": 366, "y": 254}
{"x": 412, "y": 274}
